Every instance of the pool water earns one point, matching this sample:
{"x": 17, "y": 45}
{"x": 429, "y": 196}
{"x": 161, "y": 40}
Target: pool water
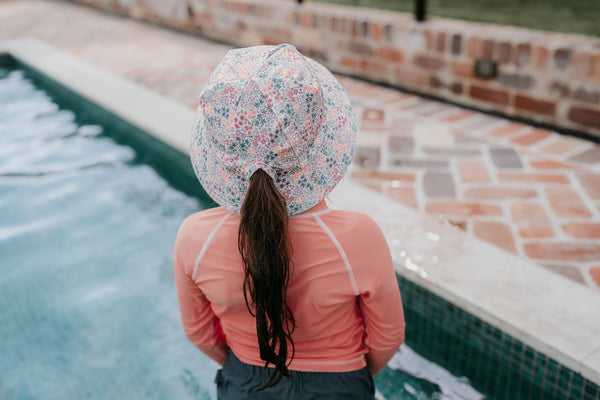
{"x": 86, "y": 288}
{"x": 88, "y": 301}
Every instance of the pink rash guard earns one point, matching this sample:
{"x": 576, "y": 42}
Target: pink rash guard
{"x": 342, "y": 291}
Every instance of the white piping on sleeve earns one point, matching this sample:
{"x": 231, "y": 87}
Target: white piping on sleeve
{"x": 207, "y": 243}
{"x": 341, "y": 251}
{"x": 311, "y": 214}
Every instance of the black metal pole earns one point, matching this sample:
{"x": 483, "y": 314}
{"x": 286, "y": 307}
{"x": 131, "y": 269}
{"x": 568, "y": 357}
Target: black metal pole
{"x": 420, "y": 10}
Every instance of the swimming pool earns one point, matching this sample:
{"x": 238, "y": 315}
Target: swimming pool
{"x": 85, "y": 238}
{"x": 88, "y": 213}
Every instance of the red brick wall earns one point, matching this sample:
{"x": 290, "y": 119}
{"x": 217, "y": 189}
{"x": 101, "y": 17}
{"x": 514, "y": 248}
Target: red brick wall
{"x": 550, "y": 78}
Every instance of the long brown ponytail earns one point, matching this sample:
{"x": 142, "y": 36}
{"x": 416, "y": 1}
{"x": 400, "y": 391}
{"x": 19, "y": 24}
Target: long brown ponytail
{"x": 263, "y": 245}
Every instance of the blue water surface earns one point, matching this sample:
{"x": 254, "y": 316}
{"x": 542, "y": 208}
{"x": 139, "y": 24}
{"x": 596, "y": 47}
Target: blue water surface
{"x": 88, "y": 308}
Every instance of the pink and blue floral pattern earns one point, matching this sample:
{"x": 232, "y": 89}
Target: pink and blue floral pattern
{"x": 271, "y": 108}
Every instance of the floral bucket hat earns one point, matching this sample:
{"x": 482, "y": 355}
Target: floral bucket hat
{"x": 271, "y": 108}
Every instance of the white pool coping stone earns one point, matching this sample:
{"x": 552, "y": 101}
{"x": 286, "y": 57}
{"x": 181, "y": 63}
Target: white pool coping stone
{"x": 552, "y": 314}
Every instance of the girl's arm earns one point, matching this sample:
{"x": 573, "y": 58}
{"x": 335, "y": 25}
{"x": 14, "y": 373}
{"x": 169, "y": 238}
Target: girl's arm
{"x": 379, "y": 300}
{"x": 201, "y": 325}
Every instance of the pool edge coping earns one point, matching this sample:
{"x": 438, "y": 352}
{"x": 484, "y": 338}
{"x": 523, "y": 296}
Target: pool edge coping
{"x": 146, "y": 110}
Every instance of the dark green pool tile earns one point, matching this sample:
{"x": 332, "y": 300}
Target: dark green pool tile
{"x": 564, "y": 382}
{"x": 575, "y": 388}
{"x": 497, "y": 364}
{"x": 590, "y": 391}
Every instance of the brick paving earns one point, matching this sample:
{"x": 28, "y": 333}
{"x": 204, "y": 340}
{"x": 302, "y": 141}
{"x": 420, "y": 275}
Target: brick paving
{"x": 527, "y": 190}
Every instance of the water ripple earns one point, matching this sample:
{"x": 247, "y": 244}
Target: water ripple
{"x": 86, "y": 284}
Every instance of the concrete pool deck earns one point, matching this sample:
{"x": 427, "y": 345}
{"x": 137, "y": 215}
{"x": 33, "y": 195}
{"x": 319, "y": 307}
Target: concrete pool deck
{"x": 409, "y": 149}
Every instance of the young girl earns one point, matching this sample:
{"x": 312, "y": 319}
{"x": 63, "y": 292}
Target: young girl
{"x": 295, "y": 300}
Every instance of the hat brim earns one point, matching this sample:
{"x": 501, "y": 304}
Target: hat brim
{"x": 224, "y": 166}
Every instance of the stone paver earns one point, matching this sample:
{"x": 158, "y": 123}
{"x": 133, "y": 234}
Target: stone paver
{"x": 494, "y": 232}
{"x": 505, "y": 158}
{"x": 530, "y": 191}
{"x": 531, "y": 220}
{"x": 567, "y": 203}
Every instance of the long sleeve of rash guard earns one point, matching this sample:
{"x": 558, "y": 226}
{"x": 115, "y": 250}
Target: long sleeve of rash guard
{"x": 201, "y": 325}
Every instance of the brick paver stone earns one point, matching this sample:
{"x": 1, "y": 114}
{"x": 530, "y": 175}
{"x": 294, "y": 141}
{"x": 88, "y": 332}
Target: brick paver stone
{"x": 509, "y": 129}
{"x": 550, "y": 164}
{"x": 591, "y": 156}
{"x": 533, "y": 178}
{"x": 367, "y": 156}
{"x": 401, "y": 144}
{"x": 438, "y": 184}
{"x": 580, "y": 252}
{"x": 497, "y": 233}
{"x": 567, "y": 203}
{"x": 450, "y": 152}
{"x": 530, "y": 138}
{"x": 505, "y": 158}
{"x": 459, "y": 116}
{"x": 499, "y": 193}
{"x": 561, "y": 146}
{"x": 461, "y": 208}
{"x": 583, "y": 230}
{"x": 465, "y": 139}
{"x": 419, "y": 163}
{"x": 591, "y": 183}
{"x": 472, "y": 171}
{"x": 374, "y": 115}
{"x": 388, "y": 176}
{"x": 531, "y": 220}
